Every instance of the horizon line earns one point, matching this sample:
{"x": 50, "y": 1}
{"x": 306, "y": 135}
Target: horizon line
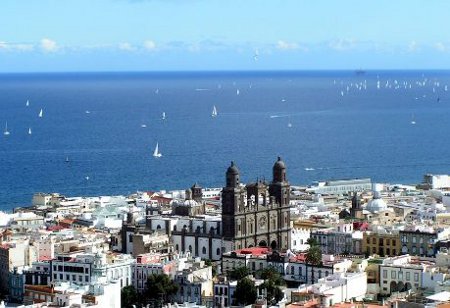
{"x": 230, "y": 71}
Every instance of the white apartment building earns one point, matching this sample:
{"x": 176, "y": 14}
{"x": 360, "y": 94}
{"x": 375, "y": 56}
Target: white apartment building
{"x": 401, "y": 273}
{"x": 81, "y": 268}
{"x": 339, "y": 287}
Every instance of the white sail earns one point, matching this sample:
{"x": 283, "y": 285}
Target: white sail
{"x": 413, "y": 121}
{"x": 156, "y": 153}
{"x": 237, "y": 92}
{"x": 6, "y": 132}
{"x": 163, "y": 115}
{"x": 214, "y": 112}
{"x": 29, "y": 131}
{"x": 27, "y": 103}
{"x": 41, "y": 113}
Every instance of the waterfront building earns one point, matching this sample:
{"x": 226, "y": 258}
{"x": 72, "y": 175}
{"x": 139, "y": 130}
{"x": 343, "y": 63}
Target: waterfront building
{"x": 340, "y": 187}
{"x": 256, "y": 214}
{"x": 436, "y": 181}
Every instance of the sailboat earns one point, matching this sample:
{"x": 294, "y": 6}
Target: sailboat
{"x": 67, "y": 159}
{"x": 29, "y": 131}
{"x": 27, "y": 103}
{"x": 6, "y": 132}
{"x": 214, "y": 112}
{"x": 41, "y": 113}
{"x": 156, "y": 153}
{"x": 413, "y": 121}
{"x": 163, "y": 115}
{"x": 237, "y": 92}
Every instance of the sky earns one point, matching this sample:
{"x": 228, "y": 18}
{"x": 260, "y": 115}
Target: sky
{"x": 177, "y": 35}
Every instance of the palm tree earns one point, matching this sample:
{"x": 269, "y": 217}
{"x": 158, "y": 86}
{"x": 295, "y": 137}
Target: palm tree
{"x": 313, "y": 256}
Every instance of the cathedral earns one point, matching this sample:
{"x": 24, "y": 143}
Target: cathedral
{"x": 256, "y": 214}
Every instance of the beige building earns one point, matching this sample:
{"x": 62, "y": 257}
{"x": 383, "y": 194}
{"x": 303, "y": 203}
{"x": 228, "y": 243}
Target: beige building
{"x": 381, "y": 243}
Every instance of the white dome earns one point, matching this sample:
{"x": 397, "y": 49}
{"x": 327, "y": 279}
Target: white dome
{"x": 376, "y": 204}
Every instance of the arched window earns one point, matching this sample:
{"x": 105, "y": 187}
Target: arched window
{"x": 190, "y": 248}
{"x": 158, "y": 227}
{"x": 177, "y": 247}
{"x": 218, "y": 251}
{"x": 204, "y": 250}
{"x": 175, "y": 228}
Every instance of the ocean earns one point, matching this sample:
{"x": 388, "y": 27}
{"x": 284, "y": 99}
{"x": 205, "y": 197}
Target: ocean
{"x": 309, "y": 118}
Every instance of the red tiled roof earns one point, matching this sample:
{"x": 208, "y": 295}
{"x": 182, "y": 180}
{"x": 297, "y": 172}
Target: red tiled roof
{"x": 55, "y": 228}
{"x": 301, "y": 257}
{"x": 255, "y": 251}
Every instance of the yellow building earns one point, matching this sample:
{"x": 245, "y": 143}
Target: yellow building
{"x": 382, "y": 244}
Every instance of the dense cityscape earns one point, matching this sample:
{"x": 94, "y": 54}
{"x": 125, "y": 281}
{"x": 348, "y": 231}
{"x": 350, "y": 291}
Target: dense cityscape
{"x": 339, "y": 243}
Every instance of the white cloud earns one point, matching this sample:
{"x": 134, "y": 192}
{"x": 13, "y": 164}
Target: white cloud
{"x": 342, "y": 44}
{"x": 150, "y": 45}
{"x": 413, "y": 46}
{"x": 283, "y": 45}
{"x": 126, "y": 47}
{"x": 48, "y": 45}
{"x": 441, "y": 47}
{"x": 15, "y": 46}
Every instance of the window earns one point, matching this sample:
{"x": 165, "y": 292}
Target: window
{"x": 384, "y": 273}
{"x": 416, "y": 276}
{"x": 218, "y": 251}
{"x": 408, "y": 276}
{"x": 177, "y": 247}
{"x": 204, "y": 250}
{"x": 414, "y": 240}
{"x": 130, "y": 238}
{"x": 190, "y": 248}
{"x": 393, "y": 274}
{"x": 393, "y": 242}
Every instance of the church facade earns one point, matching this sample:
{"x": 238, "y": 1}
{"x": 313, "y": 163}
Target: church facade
{"x": 257, "y": 214}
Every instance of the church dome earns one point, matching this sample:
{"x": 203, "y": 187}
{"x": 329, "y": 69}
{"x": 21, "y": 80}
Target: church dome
{"x": 279, "y": 164}
{"x": 376, "y": 204}
{"x": 232, "y": 169}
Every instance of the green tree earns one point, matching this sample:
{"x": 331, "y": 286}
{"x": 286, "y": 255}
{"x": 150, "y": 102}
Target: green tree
{"x": 271, "y": 273}
{"x": 272, "y": 282}
{"x": 238, "y": 273}
{"x": 245, "y": 293}
{"x": 129, "y": 297}
{"x": 160, "y": 288}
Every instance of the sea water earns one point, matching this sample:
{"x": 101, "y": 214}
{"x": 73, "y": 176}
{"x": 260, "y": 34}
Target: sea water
{"x": 107, "y": 124}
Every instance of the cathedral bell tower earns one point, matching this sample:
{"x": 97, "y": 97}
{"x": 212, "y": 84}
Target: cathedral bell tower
{"x": 230, "y": 201}
{"x": 356, "y": 210}
{"x": 279, "y": 188}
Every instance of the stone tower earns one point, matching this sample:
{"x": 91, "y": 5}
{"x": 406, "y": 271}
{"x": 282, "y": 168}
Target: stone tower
{"x": 356, "y": 210}
{"x": 259, "y": 213}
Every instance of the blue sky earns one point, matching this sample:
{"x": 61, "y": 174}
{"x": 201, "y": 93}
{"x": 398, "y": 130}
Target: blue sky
{"x": 146, "y": 35}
